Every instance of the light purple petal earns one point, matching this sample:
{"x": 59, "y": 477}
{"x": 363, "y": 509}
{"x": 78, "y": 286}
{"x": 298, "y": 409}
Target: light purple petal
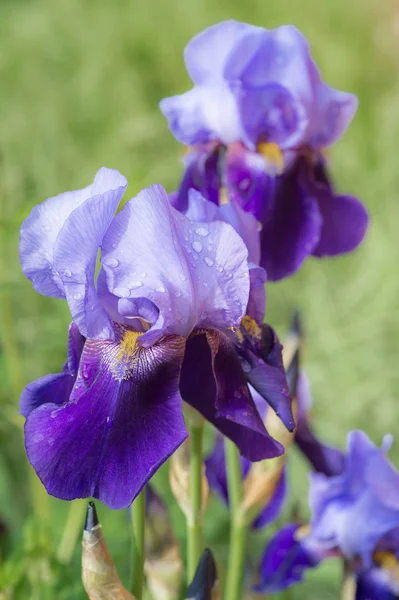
{"x": 215, "y": 469}
{"x": 40, "y": 230}
{"x": 55, "y": 388}
{"x": 196, "y": 274}
{"x": 75, "y": 254}
{"x": 123, "y": 420}
{"x": 186, "y": 117}
{"x": 213, "y": 382}
{"x": 257, "y": 293}
{"x": 332, "y": 112}
{"x": 206, "y": 54}
{"x": 292, "y": 230}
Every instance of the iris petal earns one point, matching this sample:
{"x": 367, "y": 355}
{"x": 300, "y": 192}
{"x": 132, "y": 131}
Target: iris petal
{"x": 122, "y": 421}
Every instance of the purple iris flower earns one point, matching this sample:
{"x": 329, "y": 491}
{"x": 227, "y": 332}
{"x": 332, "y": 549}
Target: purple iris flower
{"x": 256, "y": 120}
{"x": 355, "y": 515}
{"x": 158, "y": 323}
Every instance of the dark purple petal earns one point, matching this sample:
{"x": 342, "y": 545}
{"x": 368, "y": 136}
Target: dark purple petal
{"x": 374, "y": 585}
{"x": 250, "y": 180}
{"x": 332, "y": 112}
{"x": 123, "y": 420}
{"x": 274, "y": 507}
{"x": 215, "y": 468}
{"x": 257, "y": 293}
{"x": 261, "y": 359}
{"x": 40, "y": 231}
{"x": 213, "y": 382}
{"x": 292, "y": 230}
{"x": 55, "y": 388}
{"x": 323, "y": 458}
{"x": 284, "y": 561}
{"x": 194, "y": 273}
{"x": 205, "y": 579}
{"x": 206, "y": 54}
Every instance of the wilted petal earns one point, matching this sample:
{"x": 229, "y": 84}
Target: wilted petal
{"x": 213, "y": 382}
{"x": 274, "y": 507}
{"x": 123, "y": 420}
{"x": 293, "y": 229}
{"x": 284, "y": 561}
{"x": 194, "y": 273}
{"x": 333, "y": 111}
{"x": 39, "y": 232}
{"x": 55, "y": 388}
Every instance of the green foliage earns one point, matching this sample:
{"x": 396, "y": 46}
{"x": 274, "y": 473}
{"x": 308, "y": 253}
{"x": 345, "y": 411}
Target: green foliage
{"x": 80, "y": 84}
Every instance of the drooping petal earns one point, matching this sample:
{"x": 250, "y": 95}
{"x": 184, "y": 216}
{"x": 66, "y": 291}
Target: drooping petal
{"x": 284, "y": 561}
{"x": 344, "y": 218}
{"x": 206, "y": 54}
{"x": 123, "y": 420}
{"x": 374, "y": 585}
{"x": 39, "y": 232}
{"x": 213, "y": 382}
{"x": 293, "y": 229}
{"x": 55, "y": 388}
{"x": 261, "y": 359}
{"x": 333, "y": 111}
{"x": 194, "y": 273}
{"x": 75, "y": 254}
{"x": 274, "y": 507}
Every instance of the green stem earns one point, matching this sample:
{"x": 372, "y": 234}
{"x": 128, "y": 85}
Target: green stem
{"x": 72, "y": 531}
{"x": 138, "y": 527}
{"x": 238, "y": 531}
{"x": 194, "y": 524}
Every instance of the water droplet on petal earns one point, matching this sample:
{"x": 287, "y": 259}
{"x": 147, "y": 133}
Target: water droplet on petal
{"x": 86, "y": 371}
{"x": 38, "y": 437}
{"x": 143, "y": 274}
{"x": 67, "y": 273}
{"x": 197, "y": 246}
{"x": 135, "y": 285}
{"x": 160, "y": 289}
{"x": 204, "y": 231}
{"x": 183, "y": 277}
{"x": 112, "y": 262}
{"x": 121, "y": 291}
{"x": 178, "y": 294}
{"x": 46, "y": 228}
{"x": 208, "y": 261}
{"x": 77, "y": 296}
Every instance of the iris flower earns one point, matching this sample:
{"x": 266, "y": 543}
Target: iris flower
{"x": 256, "y": 122}
{"x": 354, "y": 515}
{"x": 156, "y": 325}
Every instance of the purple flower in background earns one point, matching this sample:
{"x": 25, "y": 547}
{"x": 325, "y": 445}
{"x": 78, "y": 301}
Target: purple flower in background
{"x": 163, "y": 309}
{"x": 355, "y": 515}
{"x": 256, "y": 120}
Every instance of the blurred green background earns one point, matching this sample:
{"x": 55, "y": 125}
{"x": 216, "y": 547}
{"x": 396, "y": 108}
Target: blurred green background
{"x": 80, "y": 86}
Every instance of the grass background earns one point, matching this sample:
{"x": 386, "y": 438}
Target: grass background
{"x": 80, "y": 85}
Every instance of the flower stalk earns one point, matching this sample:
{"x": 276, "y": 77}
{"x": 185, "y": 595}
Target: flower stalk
{"x": 138, "y": 530}
{"x": 194, "y": 519}
{"x": 238, "y": 532}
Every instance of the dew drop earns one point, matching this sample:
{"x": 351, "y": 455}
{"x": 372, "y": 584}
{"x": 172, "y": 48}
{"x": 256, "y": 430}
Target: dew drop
{"x": 178, "y": 294}
{"x": 135, "y": 285}
{"x": 143, "y": 274}
{"x": 208, "y": 261}
{"x": 112, "y": 262}
{"x": 197, "y": 246}
{"x": 121, "y": 291}
{"x": 67, "y": 273}
{"x": 46, "y": 228}
{"x": 38, "y": 437}
{"x": 160, "y": 289}
{"x": 204, "y": 283}
{"x": 203, "y": 231}
{"x": 114, "y": 245}
{"x": 77, "y": 296}
{"x": 183, "y": 277}
{"x": 86, "y": 371}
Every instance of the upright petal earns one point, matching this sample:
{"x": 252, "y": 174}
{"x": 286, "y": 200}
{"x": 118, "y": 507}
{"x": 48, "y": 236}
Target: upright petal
{"x": 123, "y": 420}
{"x": 196, "y": 274}
{"x": 273, "y": 508}
{"x": 75, "y": 254}
{"x": 55, "y": 388}
{"x": 206, "y": 54}
{"x": 332, "y": 113}
{"x": 39, "y": 232}
{"x": 216, "y": 474}
{"x": 186, "y": 117}
{"x": 284, "y": 561}
{"x": 293, "y": 229}
{"x": 213, "y": 382}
